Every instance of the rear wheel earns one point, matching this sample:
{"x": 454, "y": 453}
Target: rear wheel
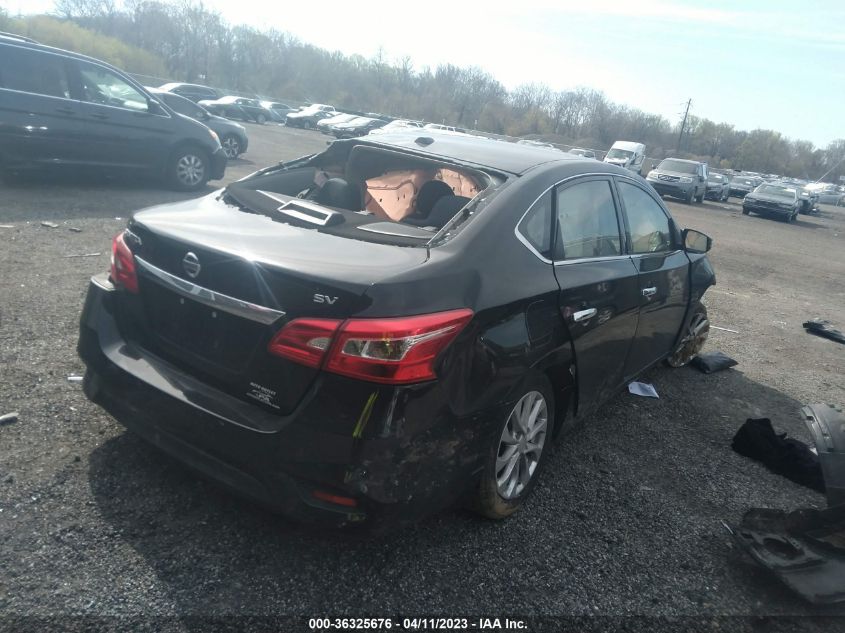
{"x": 260, "y": 119}
{"x": 188, "y": 169}
{"x": 693, "y": 339}
{"x": 699, "y": 199}
{"x": 724, "y": 197}
{"x": 745, "y": 211}
{"x": 690, "y": 196}
{"x": 518, "y": 451}
{"x": 307, "y": 125}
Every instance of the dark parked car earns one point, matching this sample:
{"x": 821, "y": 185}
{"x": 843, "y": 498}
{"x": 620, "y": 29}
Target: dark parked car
{"x": 238, "y": 108}
{"x": 580, "y": 151}
{"x": 684, "y": 179}
{"x": 194, "y": 92}
{"x": 771, "y": 199}
{"x": 809, "y": 196}
{"x": 357, "y": 367}
{"x": 356, "y": 127}
{"x": 232, "y": 135}
{"x": 718, "y": 187}
{"x": 60, "y": 109}
{"x": 742, "y": 185}
{"x": 278, "y": 111}
{"x": 308, "y": 116}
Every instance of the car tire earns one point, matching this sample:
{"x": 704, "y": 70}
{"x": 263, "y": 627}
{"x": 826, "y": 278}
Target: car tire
{"x": 690, "y": 197}
{"x": 745, "y": 211}
{"x": 724, "y": 197}
{"x": 700, "y": 199}
{"x": 231, "y": 146}
{"x": 307, "y": 125}
{"x": 260, "y": 119}
{"x": 517, "y": 452}
{"x": 189, "y": 168}
{"x": 694, "y": 337}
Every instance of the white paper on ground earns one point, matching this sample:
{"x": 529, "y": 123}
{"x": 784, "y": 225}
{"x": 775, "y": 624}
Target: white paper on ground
{"x": 642, "y": 389}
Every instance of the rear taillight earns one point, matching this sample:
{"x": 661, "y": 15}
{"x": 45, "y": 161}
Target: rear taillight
{"x": 304, "y": 341}
{"x": 123, "y": 265}
{"x": 391, "y": 351}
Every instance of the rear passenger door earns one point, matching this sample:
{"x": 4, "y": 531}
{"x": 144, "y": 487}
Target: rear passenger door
{"x": 40, "y": 121}
{"x": 663, "y": 275}
{"x": 599, "y": 286}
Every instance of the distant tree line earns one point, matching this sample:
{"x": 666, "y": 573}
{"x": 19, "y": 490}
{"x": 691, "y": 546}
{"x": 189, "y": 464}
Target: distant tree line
{"x": 185, "y": 41}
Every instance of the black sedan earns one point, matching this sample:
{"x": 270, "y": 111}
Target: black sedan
{"x": 356, "y": 127}
{"x": 743, "y": 185}
{"x": 399, "y": 322}
{"x": 232, "y": 135}
{"x": 238, "y": 108}
{"x": 770, "y": 199}
{"x": 718, "y": 187}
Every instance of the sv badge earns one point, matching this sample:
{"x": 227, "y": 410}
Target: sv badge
{"x": 318, "y": 298}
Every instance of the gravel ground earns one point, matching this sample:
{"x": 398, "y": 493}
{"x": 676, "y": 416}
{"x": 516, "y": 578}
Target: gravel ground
{"x": 626, "y": 520}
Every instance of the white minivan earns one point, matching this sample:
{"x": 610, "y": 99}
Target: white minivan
{"x": 628, "y": 155}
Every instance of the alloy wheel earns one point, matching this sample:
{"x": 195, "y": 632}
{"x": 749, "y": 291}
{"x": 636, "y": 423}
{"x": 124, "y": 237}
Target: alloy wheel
{"x": 693, "y": 341}
{"x": 231, "y": 147}
{"x": 521, "y": 444}
{"x": 190, "y": 170}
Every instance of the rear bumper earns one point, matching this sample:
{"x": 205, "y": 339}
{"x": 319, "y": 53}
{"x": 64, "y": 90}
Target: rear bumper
{"x": 412, "y": 460}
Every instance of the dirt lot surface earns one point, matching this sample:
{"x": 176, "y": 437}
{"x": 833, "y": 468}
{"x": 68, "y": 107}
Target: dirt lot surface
{"x": 626, "y": 520}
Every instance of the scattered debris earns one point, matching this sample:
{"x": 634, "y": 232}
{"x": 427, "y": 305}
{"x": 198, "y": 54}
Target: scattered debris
{"x": 74, "y": 378}
{"x": 7, "y": 226}
{"x": 823, "y": 328}
{"x": 74, "y": 229}
{"x": 712, "y": 361}
{"x": 9, "y": 418}
{"x": 642, "y": 389}
{"x": 84, "y": 255}
{"x": 782, "y": 455}
{"x": 50, "y": 225}
{"x": 805, "y": 548}
{"x": 724, "y": 329}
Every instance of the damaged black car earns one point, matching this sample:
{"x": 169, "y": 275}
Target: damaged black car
{"x": 393, "y": 325}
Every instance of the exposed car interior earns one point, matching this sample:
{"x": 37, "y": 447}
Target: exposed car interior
{"x": 374, "y": 191}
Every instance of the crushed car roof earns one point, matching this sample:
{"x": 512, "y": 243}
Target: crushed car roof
{"x": 499, "y": 155}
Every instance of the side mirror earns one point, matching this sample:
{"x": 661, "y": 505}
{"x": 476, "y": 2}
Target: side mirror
{"x": 154, "y": 107}
{"x": 696, "y": 241}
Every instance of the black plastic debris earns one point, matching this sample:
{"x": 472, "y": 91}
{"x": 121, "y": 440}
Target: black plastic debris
{"x": 805, "y": 548}
{"x": 823, "y": 328}
{"x": 826, "y": 423}
{"x": 777, "y": 452}
{"x": 712, "y": 361}
{"x": 9, "y": 418}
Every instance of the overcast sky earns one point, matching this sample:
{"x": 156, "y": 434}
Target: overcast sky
{"x": 755, "y": 63}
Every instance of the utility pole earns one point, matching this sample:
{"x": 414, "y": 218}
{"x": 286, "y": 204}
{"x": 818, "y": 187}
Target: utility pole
{"x": 683, "y": 125}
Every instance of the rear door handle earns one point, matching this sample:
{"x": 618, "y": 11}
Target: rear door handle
{"x": 649, "y": 292}
{"x": 584, "y": 315}
{"x": 64, "y": 110}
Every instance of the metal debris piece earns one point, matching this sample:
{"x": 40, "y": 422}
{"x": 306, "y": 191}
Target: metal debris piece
{"x": 84, "y": 255}
{"x": 7, "y": 226}
{"x": 75, "y": 229}
{"x": 9, "y": 418}
{"x": 724, "y": 329}
{"x": 50, "y": 225}
{"x": 74, "y": 378}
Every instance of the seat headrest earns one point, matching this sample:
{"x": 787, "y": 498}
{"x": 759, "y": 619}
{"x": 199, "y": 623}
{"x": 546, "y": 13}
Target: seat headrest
{"x": 336, "y": 192}
{"x": 429, "y": 194}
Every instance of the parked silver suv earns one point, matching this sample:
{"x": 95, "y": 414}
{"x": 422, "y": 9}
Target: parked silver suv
{"x": 684, "y": 179}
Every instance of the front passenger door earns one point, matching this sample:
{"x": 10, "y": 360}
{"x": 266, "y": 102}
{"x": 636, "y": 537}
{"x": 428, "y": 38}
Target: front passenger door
{"x": 121, "y": 130}
{"x": 663, "y": 276}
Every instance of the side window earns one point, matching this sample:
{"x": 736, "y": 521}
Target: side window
{"x": 182, "y": 106}
{"x": 33, "y": 71}
{"x": 105, "y": 87}
{"x": 649, "y": 225}
{"x": 586, "y": 221}
{"x": 536, "y": 226}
